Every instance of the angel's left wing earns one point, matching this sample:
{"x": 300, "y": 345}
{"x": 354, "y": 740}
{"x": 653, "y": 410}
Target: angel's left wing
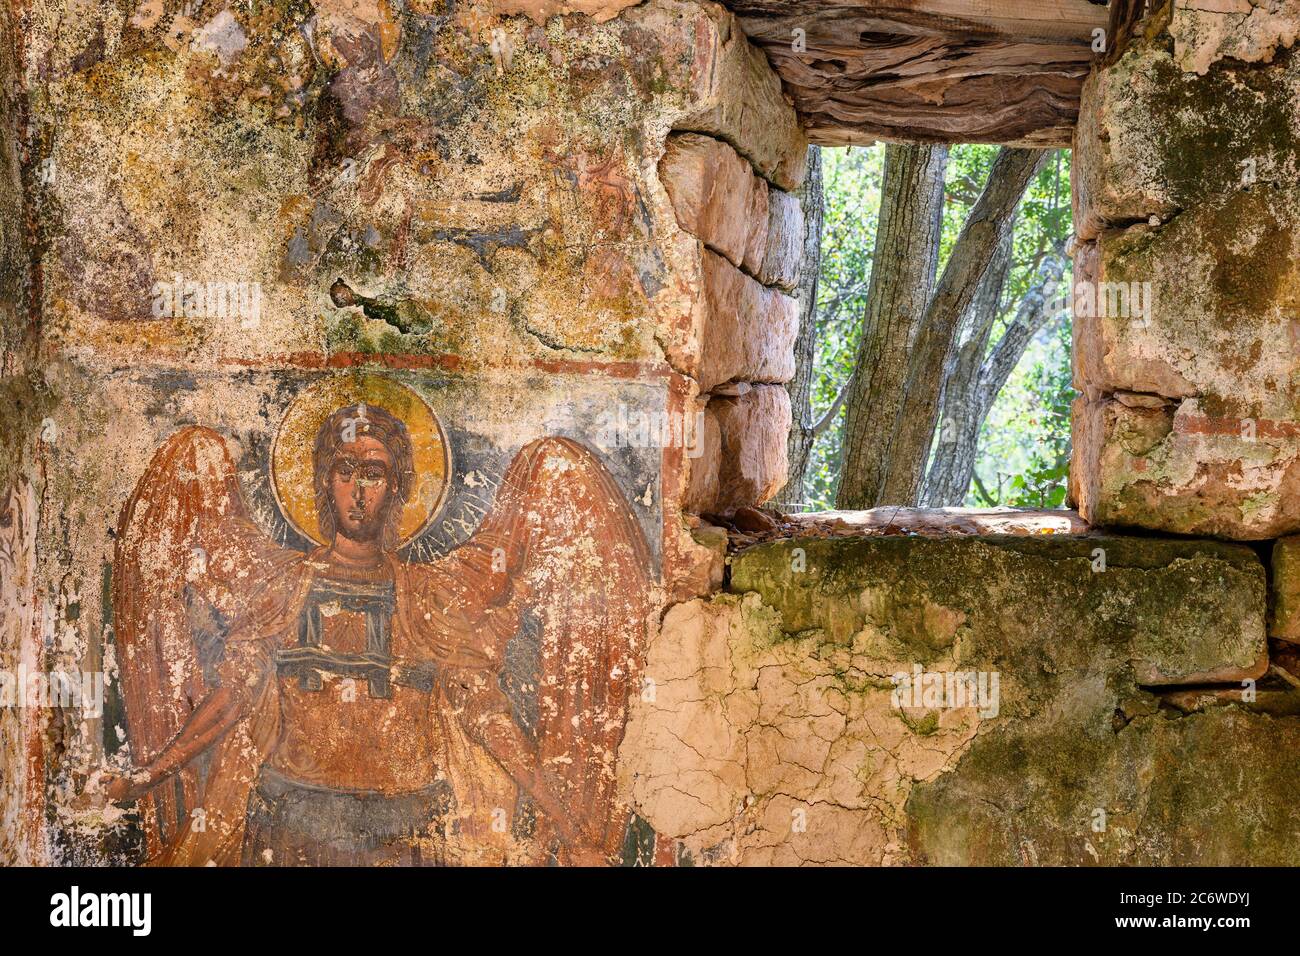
{"x": 571, "y": 539}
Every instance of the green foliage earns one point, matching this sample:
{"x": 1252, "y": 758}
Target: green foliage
{"x": 1024, "y": 446}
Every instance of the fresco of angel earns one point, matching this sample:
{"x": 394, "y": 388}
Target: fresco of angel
{"x": 343, "y": 705}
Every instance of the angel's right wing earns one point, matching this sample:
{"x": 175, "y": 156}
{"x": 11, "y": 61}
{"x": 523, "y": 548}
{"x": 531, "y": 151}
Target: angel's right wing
{"x": 188, "y": 558}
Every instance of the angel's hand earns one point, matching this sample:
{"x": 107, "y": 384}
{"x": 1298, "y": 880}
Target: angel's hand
{"x": 107, "y": 787}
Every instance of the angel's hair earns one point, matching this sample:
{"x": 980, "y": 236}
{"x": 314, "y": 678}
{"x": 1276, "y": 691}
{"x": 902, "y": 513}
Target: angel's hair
{"x": 347, "y": 424}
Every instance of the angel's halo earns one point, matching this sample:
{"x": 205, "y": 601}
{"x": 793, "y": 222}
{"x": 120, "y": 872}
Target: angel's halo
{"x": 292, "y": 469}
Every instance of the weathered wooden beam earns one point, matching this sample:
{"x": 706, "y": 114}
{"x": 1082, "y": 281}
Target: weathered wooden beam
{"x": 988, "y": 71}
{"x": 1049, "y": 20}
{"x": 926, "y": 91}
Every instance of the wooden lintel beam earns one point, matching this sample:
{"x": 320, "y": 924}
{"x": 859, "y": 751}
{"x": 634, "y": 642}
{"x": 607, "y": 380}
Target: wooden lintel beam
{"x": 950, "y": 71}
{"x": 1061, "y": 21}
{"x": 1022, "y": 19}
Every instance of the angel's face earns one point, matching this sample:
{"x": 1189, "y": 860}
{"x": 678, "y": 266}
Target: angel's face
{"x": 360, "y": 486}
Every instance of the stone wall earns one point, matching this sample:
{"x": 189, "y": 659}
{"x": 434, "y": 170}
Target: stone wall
{"x": 1187, "y": 321}
{"x": 752, "y": 235}
{"x": 536, "y": 260}
{"x": 1187, "y": 329}
{"x": 782, "y": 729}
{"x": 913, "y": 693}
{"x": 27, "y": 398}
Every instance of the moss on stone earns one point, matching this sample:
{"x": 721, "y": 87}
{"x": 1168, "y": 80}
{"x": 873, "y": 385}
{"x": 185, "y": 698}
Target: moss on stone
{"x": 1082, "y": 765}
{"x": 1198, "y": 132}
{"x": 1203, "y": 789}
{"x": 1174, "y": 607}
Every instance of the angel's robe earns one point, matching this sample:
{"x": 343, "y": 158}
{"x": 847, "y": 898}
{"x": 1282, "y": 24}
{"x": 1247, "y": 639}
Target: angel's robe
{"x": 450, "y": 624}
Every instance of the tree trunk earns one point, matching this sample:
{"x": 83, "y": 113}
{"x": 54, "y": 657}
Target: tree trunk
{"x": 960, "y": 419}
{"x": 984, "y": 230}
{"x": 902, "y": 276}
{"x": 980, "y": 383}
{"x": 802, "y": 433}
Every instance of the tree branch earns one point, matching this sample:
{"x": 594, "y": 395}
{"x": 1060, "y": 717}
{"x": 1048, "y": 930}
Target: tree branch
{"x": 1032, "y": 314}
{"x": 834, "y": 410}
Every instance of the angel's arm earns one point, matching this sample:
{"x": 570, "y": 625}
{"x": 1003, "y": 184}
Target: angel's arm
{"x": 242, "y": 675}
{"x": 208, "y": 722}
{"x": 484, "y": 712}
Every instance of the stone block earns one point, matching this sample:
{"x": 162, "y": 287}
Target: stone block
{"x": 737, "y": 96}
{"x": 754, "y": 429}
{"x": 1153, "y": 139}
{"x": 1175, "y": 611}
{"x": 717, "y": 197}
{"x": 1174, "y": 467}
{"x": 1206, "y": 305}
{"x": 747, "y": 330}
